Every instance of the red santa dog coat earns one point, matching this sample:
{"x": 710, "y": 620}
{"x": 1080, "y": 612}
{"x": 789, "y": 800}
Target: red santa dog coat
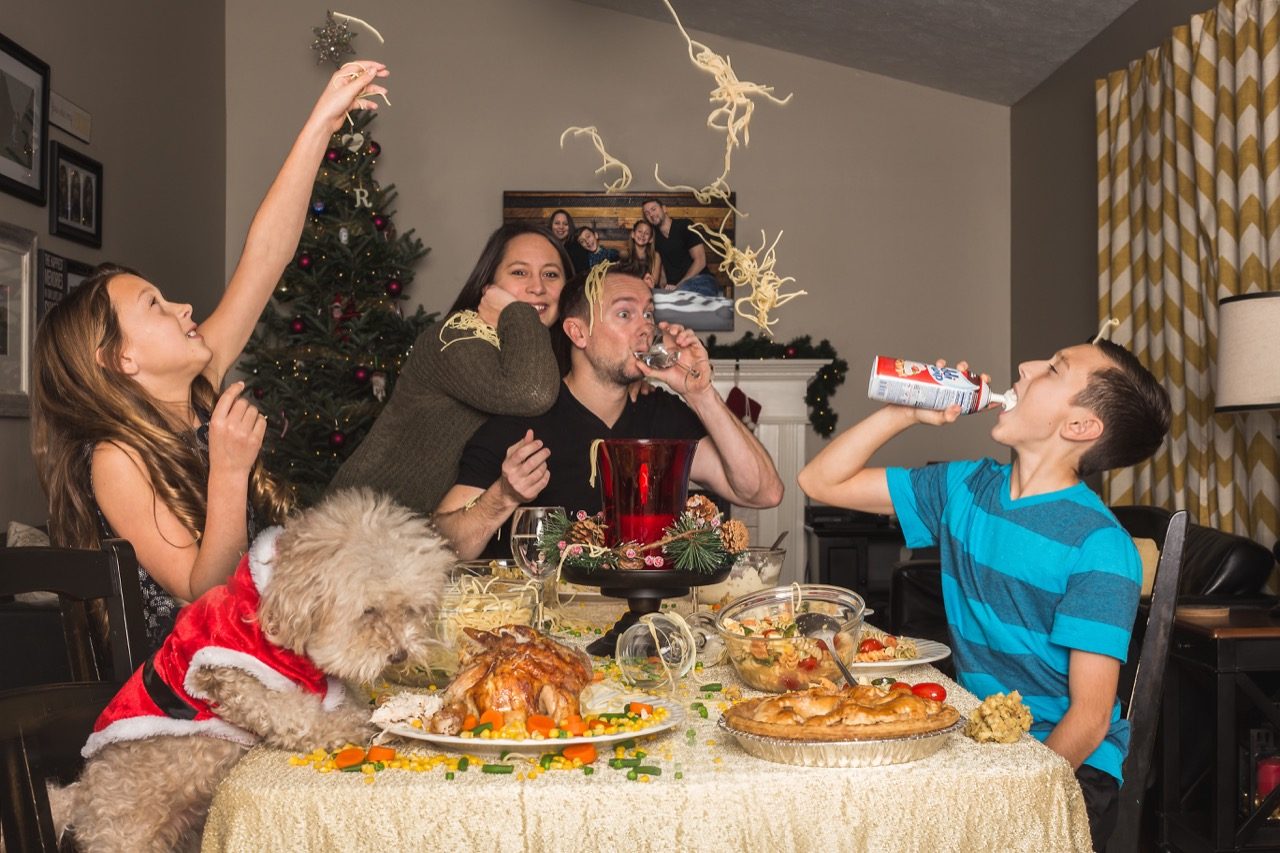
{"x": 219, "y": 629}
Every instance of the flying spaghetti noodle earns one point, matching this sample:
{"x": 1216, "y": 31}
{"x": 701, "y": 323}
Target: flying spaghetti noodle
{"x": 623, "y": 180}
{"x": 732, "y": 116}
{"x": 751, "y": 268}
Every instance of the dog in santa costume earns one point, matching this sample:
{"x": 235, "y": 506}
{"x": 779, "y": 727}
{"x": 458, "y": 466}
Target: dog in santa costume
{"x": 342, "y": 592}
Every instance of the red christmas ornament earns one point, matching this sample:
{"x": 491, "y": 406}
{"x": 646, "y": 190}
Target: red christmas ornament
{"x": 304, "y": 261}
{"x": 361, "y": 374}
{"x": 394, "y": 287}
{"x": 380, "y": 222}
{"x": 789, "y": 352}
{"x": 332, "y": 155}
{"x": 374, "y": 148}
{"x": 297, "y": 326}
{"x": 337, "y": 438}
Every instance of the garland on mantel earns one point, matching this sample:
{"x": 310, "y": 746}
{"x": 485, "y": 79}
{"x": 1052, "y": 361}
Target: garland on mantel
{"x": 821, "y": 387}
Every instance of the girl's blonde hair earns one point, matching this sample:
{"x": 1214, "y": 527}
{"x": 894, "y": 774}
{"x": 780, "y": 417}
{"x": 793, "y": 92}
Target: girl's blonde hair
{"x": 81, "y": 398}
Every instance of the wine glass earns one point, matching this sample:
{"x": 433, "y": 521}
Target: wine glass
{"x": 526, "y": 530}
{"x": 658, "y": 357}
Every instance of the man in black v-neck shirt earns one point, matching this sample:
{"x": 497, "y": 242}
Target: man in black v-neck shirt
{"x": 545, "y": 461}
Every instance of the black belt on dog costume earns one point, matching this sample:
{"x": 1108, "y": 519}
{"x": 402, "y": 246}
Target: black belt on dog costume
{"x": 162, "y": 694}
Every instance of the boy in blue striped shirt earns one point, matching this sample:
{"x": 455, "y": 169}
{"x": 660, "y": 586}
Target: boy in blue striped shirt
{"x": 1040, "y": 582}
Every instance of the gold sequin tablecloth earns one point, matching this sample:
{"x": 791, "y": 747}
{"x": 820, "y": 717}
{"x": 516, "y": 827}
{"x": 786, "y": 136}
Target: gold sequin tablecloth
{"x": 965, "y": 797}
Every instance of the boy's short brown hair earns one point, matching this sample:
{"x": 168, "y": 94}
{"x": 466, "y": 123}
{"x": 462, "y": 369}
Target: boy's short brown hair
{"x": 1133, "y": 407}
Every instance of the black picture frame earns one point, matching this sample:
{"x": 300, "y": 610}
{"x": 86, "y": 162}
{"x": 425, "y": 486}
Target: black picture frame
{"x": 59, "y": 276}
{"x": 24, "y": 92}
{"x": 75, "y": 195}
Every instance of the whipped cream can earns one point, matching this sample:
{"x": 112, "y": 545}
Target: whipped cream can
{"x": 926, "y": 386}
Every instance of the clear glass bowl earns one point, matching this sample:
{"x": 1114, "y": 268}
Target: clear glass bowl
{"x": 755, "y": 568}
{"x": 768, "y": 652}
{"x": 479, "y": 594}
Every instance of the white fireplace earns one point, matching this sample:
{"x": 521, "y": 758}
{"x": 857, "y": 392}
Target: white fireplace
{"x": 779, "y": 386}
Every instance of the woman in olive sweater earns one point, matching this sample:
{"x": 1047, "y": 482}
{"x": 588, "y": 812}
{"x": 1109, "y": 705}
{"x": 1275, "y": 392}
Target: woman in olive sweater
{"x": 491, "y": 355}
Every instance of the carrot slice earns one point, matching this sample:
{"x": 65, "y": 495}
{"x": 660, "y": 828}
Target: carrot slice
{"x": 540, "y": 724}
{"x": 349, "y": 757}
{"x": 640, "y": 708}
{"x": 494, "y": 717}
{"x": 470, "y": 722}
{"x": 380, "y": 753}
{"x": 574, "y": 725}
{"x": 584, "y": 752}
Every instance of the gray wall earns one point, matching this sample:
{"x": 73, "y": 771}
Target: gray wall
{"x": 151, "y": 75}
{"x": 1055, "y": 184}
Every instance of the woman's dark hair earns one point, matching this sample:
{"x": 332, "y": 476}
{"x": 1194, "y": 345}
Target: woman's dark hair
{"x": 486, "y": 267}
{"x": 1133, "y": 407}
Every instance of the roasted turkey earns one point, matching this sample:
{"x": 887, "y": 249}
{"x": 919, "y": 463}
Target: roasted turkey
{"x": 516, "y": 670}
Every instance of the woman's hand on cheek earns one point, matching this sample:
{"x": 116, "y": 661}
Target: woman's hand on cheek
{"x": 492, "y": 301}
{"x": 236, "y": 430}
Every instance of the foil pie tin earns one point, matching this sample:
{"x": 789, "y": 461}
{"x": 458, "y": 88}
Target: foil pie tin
{"x": 843, "y": 753}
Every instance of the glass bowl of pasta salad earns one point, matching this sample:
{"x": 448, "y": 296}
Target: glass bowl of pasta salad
{"x": 766, "y": 648}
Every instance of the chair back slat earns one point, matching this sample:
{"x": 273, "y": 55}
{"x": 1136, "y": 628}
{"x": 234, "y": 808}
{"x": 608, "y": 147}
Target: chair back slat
{"x": 78, "y": 576}
{"x": 1148, "y": 684}
{"x": 41, "y": 732}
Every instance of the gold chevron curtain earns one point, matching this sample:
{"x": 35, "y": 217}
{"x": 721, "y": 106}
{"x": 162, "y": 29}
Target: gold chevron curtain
{"x": 1189, "y": 213}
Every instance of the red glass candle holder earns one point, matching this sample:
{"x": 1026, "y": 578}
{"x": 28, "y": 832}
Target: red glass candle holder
{"x": 643, "y": 486}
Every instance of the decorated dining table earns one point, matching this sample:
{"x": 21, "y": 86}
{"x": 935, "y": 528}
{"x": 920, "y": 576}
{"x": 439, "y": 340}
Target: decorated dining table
{"x": 669, "y": 777}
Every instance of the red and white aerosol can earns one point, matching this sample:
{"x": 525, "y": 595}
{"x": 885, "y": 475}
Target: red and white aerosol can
{"x": 927, "y": 386}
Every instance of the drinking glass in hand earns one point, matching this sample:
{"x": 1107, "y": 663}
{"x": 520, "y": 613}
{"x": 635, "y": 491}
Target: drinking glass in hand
{"x": 526, "y": 529}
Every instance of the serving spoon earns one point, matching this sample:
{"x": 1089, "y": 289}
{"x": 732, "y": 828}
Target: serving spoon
{"x": 820, "y": 626}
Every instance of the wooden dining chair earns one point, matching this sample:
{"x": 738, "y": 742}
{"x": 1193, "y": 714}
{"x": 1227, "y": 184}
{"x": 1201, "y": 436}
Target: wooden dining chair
{"x": 43, "y": 727}
{"x": 78, "y": 577}
{"x": 1145, "y": 671}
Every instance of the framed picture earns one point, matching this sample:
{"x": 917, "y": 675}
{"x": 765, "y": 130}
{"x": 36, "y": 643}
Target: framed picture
{"x": 58, "y": 277}
{"x": 75, "y": 210}
{"x": 611, "y": 217}
{"x": 24, "y": 122}
{"x": 17, "y": 318}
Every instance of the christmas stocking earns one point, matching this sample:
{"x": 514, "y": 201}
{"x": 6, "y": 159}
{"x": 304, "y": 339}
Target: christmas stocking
{"x": 747, "y": 409}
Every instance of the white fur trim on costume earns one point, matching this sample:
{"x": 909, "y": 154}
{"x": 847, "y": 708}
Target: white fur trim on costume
{"x": 334, "y": 694}
{"x": 141, "y": 728}
{"x": 211, "y": 656}
{"x": 261, "y": 553}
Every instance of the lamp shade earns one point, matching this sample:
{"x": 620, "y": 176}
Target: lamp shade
{"x": 1248, "y": 372}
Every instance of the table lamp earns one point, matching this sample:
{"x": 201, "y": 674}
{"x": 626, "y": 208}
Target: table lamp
{"x": 1248, "y": 371}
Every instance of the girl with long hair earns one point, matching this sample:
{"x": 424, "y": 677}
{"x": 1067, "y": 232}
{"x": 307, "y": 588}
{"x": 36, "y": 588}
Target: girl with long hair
{"x": 130, "y": 432}
{"x": 642, "y": 257}
{"x": 493, "y": 354}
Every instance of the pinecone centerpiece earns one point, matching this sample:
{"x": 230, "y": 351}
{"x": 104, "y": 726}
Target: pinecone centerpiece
{"x": 698, "y": 541}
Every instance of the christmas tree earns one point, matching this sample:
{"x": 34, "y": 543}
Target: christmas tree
{"x": 326, "y": 352}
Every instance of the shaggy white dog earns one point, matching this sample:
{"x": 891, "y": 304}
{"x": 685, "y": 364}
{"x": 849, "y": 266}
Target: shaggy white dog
{"x": 344, "y": 591}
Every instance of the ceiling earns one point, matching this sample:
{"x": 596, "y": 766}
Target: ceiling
{"x": 994, "y": 50}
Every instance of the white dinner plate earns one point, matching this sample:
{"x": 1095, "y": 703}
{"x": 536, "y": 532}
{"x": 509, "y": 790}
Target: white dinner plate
{"x": 476, "y": 746}
{"x": 930, "y": 652}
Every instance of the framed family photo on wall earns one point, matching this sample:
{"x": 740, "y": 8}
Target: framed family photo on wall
{"x": 17, "y": 318}
{"x": 24, "y": 122}
{"x": 611, "y": 217}
{"x": 75, "y": 210}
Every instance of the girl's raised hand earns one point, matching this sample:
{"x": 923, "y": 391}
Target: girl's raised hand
{"x": 351, "y": 87}
{"x": 236, "y": 430}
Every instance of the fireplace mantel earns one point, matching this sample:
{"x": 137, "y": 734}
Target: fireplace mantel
{"x": 779, "y": 386}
